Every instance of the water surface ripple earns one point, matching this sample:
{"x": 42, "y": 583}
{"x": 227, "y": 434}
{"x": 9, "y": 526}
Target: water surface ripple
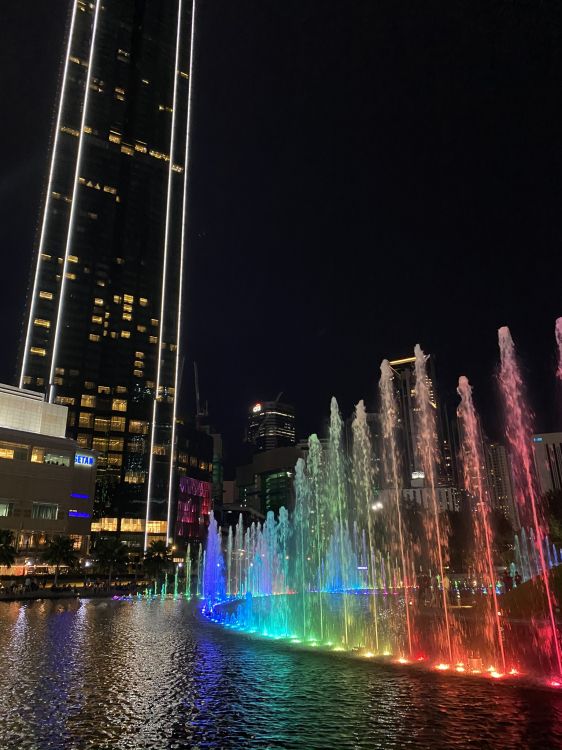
{"x": 152, "y": 675}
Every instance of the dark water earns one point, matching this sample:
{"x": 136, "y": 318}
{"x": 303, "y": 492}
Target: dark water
{"x": 122, "y": 675}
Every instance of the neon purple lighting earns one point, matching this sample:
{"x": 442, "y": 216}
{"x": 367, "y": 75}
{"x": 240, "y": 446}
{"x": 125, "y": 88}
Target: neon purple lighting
{"x": 77, "y": 514}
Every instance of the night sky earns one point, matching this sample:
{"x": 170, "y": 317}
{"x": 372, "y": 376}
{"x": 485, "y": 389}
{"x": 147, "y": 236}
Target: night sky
{"x": 366, "y": 175}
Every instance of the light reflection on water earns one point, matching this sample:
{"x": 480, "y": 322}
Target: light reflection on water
{"x": 124, "y": 675}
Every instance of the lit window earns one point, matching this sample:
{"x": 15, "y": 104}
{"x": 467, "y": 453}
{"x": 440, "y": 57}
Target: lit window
{"x": 84, "y": 441}
{"x": 139, "y": 355}
{"x": 136, "y": 426}
{"x": 42, "y": 322}
{"x": 72, "y": 259}
{"x": 126, "y": 149}
{"x": 37, "y": 455}
{"x": 125, "y": 334}
{"x": 108, "y": 524}
{"x": 132, "y": 525}
{"x": 127, "y": 316}
{"x": 159, "y": 450}
{"x": 128, "y": 308}
{"x": 88, "y": 384}
{"x": 119, "y": 404}
{"x": 114, "y": 459}
{"x": 134, "y": 477}
{"x": 46, "y": 295}
{"x": 141, "y": 329}
{"x": 46, "y": 511}
{"x": 143, "y": 302}
{"x": 88, "y": 401}
{"x": 104, "y": 389}
{"x": 117, "y": 298}
{"x": 97, "y": 319}
{"x": 70, "y": 131}
{"x": 44, "y": 256}
{"x": 138, "y": 363}
{"x": 86, "y": 419}
{"x": 141, "y": 148}
{"x": 100, "y": 444}
{"x": 129, "y": 298}
{"x": 101, "y": 424}
{"x": 98, "y": 302}
{"x": 115, "y": 444}
{"x": 114, "y": 137}
{"x": 71, "y": 276}
{"x": 65, "y": 400}
{"x": 153, "y": 322}
{"x": 138, "y": 373}
{"x": 94, "y": 337}
{"x": 117, "y": 424}
{"x": 38, "y": 351}
{"x": 152, "y": 339}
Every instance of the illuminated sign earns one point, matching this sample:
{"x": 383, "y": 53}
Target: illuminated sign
{"x": 256, "y": 408}
{"x": 537, "y": 440}
{"x": 77, "y": 514}
{"x": 418, "y": 475}
{"x": 79, "y": 496}
{"x": 81, "y": 459}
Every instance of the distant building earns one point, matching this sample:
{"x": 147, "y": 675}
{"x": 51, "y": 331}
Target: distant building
{"x": 547, "y": 449}
{"x": 267, "y": 483}
{"x": 405, "y": 379}
{"x": 271, "y": 424}
{"x": 500, "y": 482}
{"x": 47, "y": 481}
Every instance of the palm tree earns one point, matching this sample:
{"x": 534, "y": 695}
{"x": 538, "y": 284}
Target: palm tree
{"x": 7, "y": 549}
{"x": 157, "y": 558}
{"x": 110, "y": 553}
{"x": 60, "y": 551}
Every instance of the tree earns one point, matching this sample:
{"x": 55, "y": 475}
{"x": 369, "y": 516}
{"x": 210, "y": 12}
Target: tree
{"x": 110, "y": 554}
{"x": 157, "y": 558}
{"x": 60, "y": 551}
{"x": 7, "y": 549}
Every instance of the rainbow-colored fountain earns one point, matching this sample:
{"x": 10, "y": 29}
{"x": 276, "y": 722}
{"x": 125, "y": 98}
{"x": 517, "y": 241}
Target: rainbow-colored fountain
{"x": 355, "y": 568}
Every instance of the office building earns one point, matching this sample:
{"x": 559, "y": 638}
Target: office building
{"x": 405, "y": 381}
{"x": 195, "y": 471}
{"x": 104, "y": 316}
{"x": 547, "y": 450}
{"x": 267, "y": 483}
{"x": 500, "y": 481}
{"x": 47, "y": 480}
{"x": 271, "y": 424}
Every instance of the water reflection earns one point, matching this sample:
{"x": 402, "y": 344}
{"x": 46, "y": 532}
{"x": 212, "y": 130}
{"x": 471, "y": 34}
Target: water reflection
{"x": 124, "y": 675}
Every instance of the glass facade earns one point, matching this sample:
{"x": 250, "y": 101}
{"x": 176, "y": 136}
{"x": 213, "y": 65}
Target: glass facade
{"x": 104, "y": 311}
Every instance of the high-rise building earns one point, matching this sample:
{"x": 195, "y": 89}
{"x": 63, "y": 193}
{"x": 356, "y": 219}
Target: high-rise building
{"x": 500, "y": 482}
{"x": 271, "y": 424}
{"x": 405, "y": 379}
{"x": 102, "y": 335}
{"x": 547, "y": 449}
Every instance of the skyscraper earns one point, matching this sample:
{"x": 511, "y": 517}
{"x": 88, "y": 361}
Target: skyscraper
{"x": 405, "y": 378}
{"x": 104, "y": 311}
{"x": 271, "y": 424}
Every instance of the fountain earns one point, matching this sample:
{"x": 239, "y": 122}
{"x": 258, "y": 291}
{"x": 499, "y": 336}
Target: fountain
{"x": 355, "y": 568}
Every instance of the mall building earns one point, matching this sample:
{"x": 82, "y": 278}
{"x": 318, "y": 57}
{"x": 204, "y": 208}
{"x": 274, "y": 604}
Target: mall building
{"x": 47, "y": 480}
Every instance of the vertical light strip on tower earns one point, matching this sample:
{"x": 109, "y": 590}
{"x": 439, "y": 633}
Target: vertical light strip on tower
{"x": 164, "y": 273}
{"x": 48, "y": 198}
{"x": 183, "y": 230}
{"x": 60, "y": 307}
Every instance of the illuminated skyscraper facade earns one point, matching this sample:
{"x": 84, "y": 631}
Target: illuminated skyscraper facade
{"x": 102, "y": 334}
